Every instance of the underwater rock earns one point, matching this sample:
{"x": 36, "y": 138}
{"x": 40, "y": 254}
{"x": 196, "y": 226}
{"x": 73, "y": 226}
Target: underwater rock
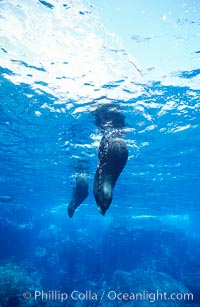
{"x": 80, "y": 193}
{"x": 191, "y": 277}
{"x": 113, "y": 155}
{"x": 81, "y": 264}
{"x": 134, "y": 247}
{"x": 70, "y": 258}
{"x": 14, "y": 281}
{"x": 146, "y": 287}
{"x": 14, "y": 237}
{"x": 158, "y": 249}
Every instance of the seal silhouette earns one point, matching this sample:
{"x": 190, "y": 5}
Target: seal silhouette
{"x": 79, "y": 194}
{"x": 112, "y": 155}
{"x": 5, "y": 198}
{"x": 112, "y": 158}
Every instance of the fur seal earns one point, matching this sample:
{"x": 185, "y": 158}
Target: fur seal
{"x": 80, "y": 193}
{"x": 113, "y": 155}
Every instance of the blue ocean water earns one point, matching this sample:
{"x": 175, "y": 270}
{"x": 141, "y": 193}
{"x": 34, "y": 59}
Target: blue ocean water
{"x": 59, "y": 63}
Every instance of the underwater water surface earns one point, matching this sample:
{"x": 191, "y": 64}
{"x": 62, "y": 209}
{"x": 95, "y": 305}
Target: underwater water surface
{"x": 60, "y": 61}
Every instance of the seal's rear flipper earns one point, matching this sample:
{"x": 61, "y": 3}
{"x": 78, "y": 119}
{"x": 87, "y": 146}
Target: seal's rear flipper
{"x": 79, "y": 194}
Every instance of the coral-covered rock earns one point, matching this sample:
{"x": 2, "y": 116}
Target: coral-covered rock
{"x": 140, "y": 288}
{"x": 14, "y": 281}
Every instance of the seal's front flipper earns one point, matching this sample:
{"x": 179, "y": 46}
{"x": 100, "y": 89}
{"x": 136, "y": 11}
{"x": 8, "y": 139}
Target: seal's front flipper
{"x": 80, "y": 193}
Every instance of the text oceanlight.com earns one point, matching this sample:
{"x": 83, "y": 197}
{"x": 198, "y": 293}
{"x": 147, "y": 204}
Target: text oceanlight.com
{"x": 111, "y": 295}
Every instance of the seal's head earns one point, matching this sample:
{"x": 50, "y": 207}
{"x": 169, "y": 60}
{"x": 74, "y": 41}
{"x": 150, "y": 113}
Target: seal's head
{"x": 104, "y": 197}
{"x": 80, "y": 192}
